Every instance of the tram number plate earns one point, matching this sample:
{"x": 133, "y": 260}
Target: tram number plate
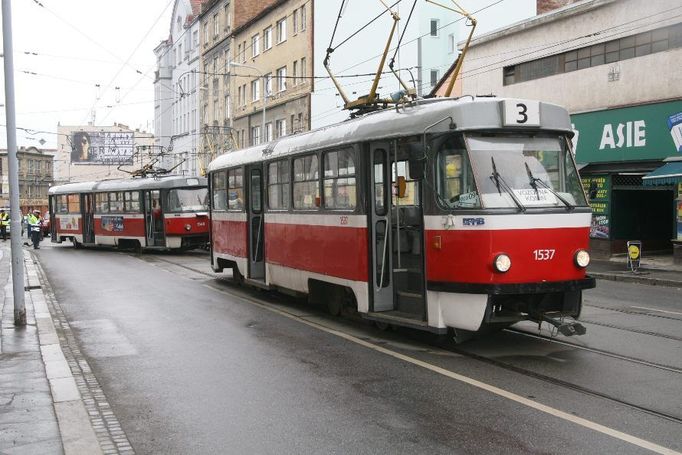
{"x": 543, "y": 255}
{"x": 521, "y": 113}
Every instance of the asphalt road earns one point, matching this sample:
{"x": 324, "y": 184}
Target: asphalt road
{"x": 193, "y": 364}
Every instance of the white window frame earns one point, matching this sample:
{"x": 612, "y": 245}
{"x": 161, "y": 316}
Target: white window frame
{"x": 216, "y": 26}
{"x": 255, "y": 90}
{"x": 294, "y": 72}
{"x": 281, "y": 30}
{"x": 281, "y": 126}
{"x": 255, "y": 135}
{"x": 282, "y": 79}
{"x": 304, "y": 74}
{"x": 268, "y": 132}
{"x": 301, "y": 24}
{"x": 437, "y": 21}
{"x": 255, "y": 45}
{"x": 267, "y": 39}
{"x": 267, "y": 82}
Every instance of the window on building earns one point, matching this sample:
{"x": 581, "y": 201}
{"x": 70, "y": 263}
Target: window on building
{"x": 281, "y": 126}
{"x": 267, "y": 38}
{"x": 255, "y": 45}
{"x": 281, "y": 30}
{"x": 434, "y": 77}
{"x": 206, "y": 35}
{"x": 255, "y": 135}
{"x": 228, "y": 19}
{"x": 278, "y": 185}
{"x": 282, "y": 79}
{"x": 339, "y": 180}
{"x": 294, "y": 19}
{"x": 255, "y": 90}
{"x": 268, "y": 84}
{"x": 304, "y": 71}
{"x": 451, "y": 43}
{"x": 306, "y": 183}
{"x": 268, "y": 132}
{"x": 216, "y": 26}
{"x": 435, "y": 25}
{"x": 301, "y": 23}
{"x": 294, "y": 72}
{"x": 228, "y": 108}
{"x": 235, "y": 191}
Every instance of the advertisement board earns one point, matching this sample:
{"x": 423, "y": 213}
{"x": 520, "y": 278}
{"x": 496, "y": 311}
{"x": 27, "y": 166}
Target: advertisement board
{"x": 598, "y": 189}
{"x": 102, "y": 147}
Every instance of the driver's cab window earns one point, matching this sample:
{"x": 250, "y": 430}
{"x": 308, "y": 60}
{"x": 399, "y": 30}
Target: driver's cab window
{"x": 456, "y": 186}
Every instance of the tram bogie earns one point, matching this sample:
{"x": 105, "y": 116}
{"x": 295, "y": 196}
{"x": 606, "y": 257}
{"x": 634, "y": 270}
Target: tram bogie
{"x": 447, "y": 214}
{"x": 162, "y": 213}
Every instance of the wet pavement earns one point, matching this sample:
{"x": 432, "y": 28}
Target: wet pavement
{"x": 653, "y": 270}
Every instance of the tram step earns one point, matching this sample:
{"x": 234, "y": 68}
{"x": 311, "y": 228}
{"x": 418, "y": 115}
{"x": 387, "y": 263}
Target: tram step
{"x": 402, "y": 321}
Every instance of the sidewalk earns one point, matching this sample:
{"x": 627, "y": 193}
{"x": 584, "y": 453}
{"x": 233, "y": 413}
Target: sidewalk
{"x": 653, "y": 270}
{"x": 41, "y": 408}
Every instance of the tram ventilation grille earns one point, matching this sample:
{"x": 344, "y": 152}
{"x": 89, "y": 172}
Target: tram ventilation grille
{"x": 627, "y": 180}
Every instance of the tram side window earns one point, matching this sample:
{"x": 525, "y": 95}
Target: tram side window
{"x": 278, "y": 185}
{"x": 235, "y": 191}
{"x": 62, "y": 206}
{"x": 219, "y": 188}
{"x": 131, "y": 201}
{"x": 74, "y": 203}
{"x": 456, "y": 185}
{"x": 116, "y": 202}
{"x": 306, "y": 183}
{"x": 102, "y": 202}
{"x": 339, "y": 180}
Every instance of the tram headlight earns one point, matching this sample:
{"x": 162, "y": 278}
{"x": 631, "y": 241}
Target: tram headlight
{"x": 502, "y": 263}
{"x": 188, "y": 227}
{"x": 582, "y": 258}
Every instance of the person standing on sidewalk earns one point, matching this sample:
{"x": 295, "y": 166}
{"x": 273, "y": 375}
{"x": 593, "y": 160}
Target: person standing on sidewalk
{"x": 4, "y": 222}
{"x": 35, "y": 226}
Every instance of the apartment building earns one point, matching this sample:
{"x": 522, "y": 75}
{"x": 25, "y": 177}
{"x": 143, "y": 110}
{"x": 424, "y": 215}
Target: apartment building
{"x": 35, "y": 177}
{"x": 271, "y": 70}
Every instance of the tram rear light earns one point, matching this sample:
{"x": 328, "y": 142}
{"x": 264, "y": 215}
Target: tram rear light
{"x": 582, "y": 258}
{"x": 188, "y": 227}
{"x": 502, "y": 263}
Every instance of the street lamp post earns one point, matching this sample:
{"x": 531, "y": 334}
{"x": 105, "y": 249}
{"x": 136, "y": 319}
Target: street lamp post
{"x": 265, "y": 90}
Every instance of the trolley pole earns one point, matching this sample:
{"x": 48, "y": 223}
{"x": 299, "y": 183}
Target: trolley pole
{"x": 13, "y": 164}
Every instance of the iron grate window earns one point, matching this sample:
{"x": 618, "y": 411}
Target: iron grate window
{"x": 627, "y": 180}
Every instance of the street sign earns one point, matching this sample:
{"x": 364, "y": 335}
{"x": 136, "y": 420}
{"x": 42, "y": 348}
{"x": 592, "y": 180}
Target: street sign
{"x": 634, "y": 254}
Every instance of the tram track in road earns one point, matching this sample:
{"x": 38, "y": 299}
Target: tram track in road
{"x": 635, "y": 312}
{"x": 461, "y": 350}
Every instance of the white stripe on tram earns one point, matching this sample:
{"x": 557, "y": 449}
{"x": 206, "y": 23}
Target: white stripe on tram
{"x": 486, "y": 222}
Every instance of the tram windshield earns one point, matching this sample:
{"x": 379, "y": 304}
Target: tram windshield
{"x": 508, "y": 172}
{"x": 188, "y": 200}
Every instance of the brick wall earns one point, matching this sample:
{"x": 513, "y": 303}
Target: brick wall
{"x": 544, "y": 6}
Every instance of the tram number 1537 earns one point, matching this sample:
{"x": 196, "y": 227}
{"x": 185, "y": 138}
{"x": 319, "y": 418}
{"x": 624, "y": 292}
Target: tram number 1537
{"x": 543, "y": 255}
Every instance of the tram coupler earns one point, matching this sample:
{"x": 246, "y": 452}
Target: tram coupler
{"x": 566, "y": 328}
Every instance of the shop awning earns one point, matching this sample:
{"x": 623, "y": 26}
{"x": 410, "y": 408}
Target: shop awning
{"x": 668, "y": 174}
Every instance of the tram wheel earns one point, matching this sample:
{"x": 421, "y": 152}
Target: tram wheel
{"x": 383, "y": 326}
{"x": 335, "y": 304}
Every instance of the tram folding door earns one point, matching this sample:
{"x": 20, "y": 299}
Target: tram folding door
{"x": 154, "y": 218}
{"x": 256, "y": 223}
{"x": 88, "y": 212}
{"x": 380, "y": 226}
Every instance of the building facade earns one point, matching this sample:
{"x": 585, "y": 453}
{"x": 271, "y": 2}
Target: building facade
{"x": 176, "y": 116}
{"x": 86, "y": 153}
{"x": 270, "y": 77}
{"x": 35, "y": 178}
{"x": 614, "y": 66}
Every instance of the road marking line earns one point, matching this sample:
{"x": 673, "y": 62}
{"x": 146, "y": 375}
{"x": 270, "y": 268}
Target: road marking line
{"x": 654, "y": 309}
{"x": 467, "y": 380}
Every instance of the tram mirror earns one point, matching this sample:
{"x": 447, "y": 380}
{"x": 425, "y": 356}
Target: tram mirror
{"x": 417, "y": 158}
{"x": 401, "y": 186}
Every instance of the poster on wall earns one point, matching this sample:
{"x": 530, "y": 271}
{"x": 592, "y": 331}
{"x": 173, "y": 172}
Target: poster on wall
{"x": 102, "y": 147}
{"x": 597, "y": 189}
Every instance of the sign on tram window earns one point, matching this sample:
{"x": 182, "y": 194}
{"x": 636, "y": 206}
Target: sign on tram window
{"x": 521, "y": 113}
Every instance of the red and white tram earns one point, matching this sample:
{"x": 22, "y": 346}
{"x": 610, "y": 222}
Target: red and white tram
{"x": 152, "y": 213}
{"x": 447, "y": 213}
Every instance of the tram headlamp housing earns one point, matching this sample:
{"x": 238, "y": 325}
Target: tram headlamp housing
{"x": 502, "y": 263}
{"x": 188, "y": 227}
{"x": 582, "y": 258}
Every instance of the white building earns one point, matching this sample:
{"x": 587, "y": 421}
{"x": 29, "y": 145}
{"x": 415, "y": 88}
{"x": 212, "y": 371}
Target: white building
{"x": 176, "y": 107}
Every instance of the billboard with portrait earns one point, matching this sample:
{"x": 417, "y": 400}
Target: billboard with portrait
{"x": 102, "y": 147}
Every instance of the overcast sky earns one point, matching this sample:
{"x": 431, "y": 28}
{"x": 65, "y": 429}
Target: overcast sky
{"x": 63, "y": 49}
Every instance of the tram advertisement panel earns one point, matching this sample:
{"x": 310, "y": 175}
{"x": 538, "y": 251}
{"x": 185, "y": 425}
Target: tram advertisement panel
{"x": 598, "y": 194}
{"x": 102, "y": 147}
{"x": 112, "y": 223}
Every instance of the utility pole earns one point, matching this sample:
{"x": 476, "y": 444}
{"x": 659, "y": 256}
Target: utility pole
{"x": 13, "y": 164}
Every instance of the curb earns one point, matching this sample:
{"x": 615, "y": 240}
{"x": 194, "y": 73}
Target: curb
{"x": 77, "y": 434}
{"x": 636, "y": 279}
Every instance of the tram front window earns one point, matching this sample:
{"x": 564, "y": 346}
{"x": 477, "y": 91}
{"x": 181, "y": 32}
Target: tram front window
{"x": 524, "y": 171}
{"x": 455, "y": 180}
{"x": 188, "y": 200}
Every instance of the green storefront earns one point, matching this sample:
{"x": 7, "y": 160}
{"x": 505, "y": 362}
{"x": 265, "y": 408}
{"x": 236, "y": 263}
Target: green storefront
{"x": 631, "y": 166}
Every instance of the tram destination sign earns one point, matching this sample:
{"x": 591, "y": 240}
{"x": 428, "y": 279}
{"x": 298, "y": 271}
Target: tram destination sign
{"x": 102, "y": 147}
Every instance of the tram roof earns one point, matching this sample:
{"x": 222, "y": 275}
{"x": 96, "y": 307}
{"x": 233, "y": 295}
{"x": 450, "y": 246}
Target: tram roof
{"x": 131, "y": 184}
{"x": 468, "y": 113}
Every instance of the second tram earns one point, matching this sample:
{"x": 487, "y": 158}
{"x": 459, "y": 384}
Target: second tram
{"x": 443, "y": 214}
{"x": 141, "y": 213}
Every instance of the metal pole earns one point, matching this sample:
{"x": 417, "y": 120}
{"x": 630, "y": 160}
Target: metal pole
{"x": 13, "y": 164}
{"x": 265, "y": 102}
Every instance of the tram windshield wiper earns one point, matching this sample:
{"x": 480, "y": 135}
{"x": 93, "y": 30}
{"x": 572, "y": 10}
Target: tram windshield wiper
{"x": 534, "y": 181}
{"x": 498, "y": 179}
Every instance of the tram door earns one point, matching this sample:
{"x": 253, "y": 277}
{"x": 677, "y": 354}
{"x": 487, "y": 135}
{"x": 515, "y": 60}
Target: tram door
{"x": 154, "y": 218}
{"x": 380, "y": 227}
{"x": 88, "y": 212}
{"x": 256, "y": 223}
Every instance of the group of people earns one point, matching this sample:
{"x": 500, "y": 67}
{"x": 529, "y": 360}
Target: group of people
{"x": 32, "y": 222}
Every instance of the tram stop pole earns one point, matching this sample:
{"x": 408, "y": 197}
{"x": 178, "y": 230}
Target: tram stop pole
{"x": 13, "y": 164}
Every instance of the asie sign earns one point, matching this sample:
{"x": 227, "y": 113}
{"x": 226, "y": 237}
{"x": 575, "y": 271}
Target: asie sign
{"x": 628, "y": 134}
